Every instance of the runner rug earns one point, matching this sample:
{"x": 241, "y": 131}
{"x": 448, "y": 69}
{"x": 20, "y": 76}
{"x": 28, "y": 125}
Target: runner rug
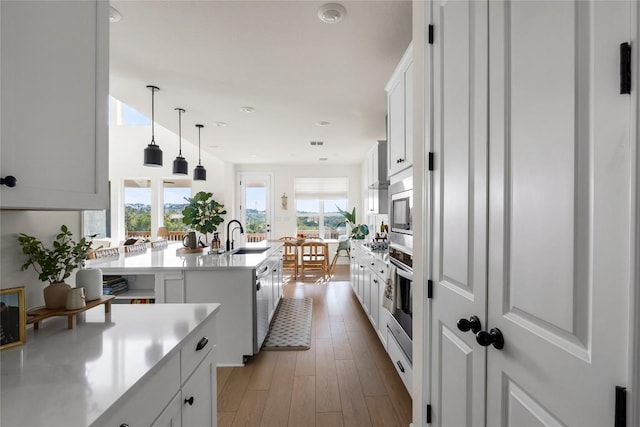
{"x": 291, "y": 326}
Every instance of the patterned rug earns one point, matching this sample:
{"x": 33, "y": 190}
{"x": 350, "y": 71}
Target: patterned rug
{"x": 291, "y": 326}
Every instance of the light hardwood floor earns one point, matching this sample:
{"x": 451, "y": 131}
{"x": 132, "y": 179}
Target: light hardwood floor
{"x": 345, "y": 379}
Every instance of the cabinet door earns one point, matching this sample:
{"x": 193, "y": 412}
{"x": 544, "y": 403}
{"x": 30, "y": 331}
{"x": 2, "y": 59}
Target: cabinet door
{"x": 54, "y": 83}
{"x": 407, "y": 158}
{"x": 199, "y": 395}
{"x": 172, "y": 414}
{"x": 396, "y": 129}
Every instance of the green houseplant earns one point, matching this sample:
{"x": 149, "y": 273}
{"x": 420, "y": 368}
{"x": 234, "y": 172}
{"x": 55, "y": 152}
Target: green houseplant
{"x": 203, "y": 213}
{"x": 55, "y": 264}
{"x": 358, "y": 231}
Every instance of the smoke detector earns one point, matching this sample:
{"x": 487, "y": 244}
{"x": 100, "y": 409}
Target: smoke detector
{"x": 331, "y": 13}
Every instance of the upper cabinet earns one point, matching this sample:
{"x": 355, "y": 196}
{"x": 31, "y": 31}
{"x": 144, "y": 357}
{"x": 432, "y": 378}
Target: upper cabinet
{"x": 54, "y": 68}
{"x": 400, "y": 119}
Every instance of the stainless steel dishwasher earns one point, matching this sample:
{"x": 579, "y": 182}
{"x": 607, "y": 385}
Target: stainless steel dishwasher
{"x": 263, "y": 279}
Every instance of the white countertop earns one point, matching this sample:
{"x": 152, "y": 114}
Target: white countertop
{"x": 69, "y": 377}
{"x": 167, "y": 259}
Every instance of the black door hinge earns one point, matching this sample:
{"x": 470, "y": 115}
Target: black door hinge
{"x": 428, "y": 414}
{"x": 621, "y": 407}
{"x": 429, "y": 289}
{"x": 431, "y": 156}
{"x": 625, "y": 68}
{"x": 430, "y": 34}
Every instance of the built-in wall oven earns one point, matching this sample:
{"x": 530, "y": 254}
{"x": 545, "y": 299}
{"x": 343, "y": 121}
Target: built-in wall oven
{"x": 400, "y": 323}
{"x": 401, "y": 212}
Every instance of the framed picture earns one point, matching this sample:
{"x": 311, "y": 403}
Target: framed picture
{"x": 12, "y": 318}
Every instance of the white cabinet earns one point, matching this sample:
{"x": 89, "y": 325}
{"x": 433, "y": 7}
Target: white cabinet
{"x": 400, "y": 115}
{"x": 181, "y": 391}
{"x": 199, "y": 395}
{"x": 54, "y": 68}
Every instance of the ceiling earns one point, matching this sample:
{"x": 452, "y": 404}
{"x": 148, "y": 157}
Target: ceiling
{"x": 214, "y": 57}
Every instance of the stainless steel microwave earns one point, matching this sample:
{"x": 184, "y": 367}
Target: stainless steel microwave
{"x": 401, "y": 212}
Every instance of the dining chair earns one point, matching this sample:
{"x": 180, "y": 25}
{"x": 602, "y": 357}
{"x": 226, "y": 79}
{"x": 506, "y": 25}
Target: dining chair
{"x": 315, "y": 256}
{"x": 287, "y": 238}
{"x": 290, "y": 258}
{"x": 343, "y": 245}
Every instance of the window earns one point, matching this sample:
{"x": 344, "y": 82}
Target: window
{"x": 316, "y": 201}
{"x": 175, "y": 194}
{"x": 125, "y": 115}
{"x": 137, "y": 207}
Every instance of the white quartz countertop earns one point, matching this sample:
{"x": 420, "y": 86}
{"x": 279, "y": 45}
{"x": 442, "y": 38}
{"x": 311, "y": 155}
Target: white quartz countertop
{"x": 167, "y": 259}
{"x": 69, "y": 377}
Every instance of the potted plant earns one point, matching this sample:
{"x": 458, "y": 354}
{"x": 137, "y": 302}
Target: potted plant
{"x": 358, "y": 231}
{"x": 203, "y": 213}
{"x": 55, "y": 264}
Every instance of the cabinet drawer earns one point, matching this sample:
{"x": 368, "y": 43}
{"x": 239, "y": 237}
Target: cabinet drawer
{"x": 381, "y": 268}
{"x": 196, "y": 349}
{"x": 149, "y": 398}
{"x": 402, "y": 365}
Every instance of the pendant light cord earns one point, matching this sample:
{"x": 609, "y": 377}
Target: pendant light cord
{"x": 180, "y": 111}
{"x": 153, "y": 121}
{"x": 199, "y": 128}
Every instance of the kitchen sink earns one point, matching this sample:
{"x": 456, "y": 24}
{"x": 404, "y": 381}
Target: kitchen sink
{"x": 244, "y": 251}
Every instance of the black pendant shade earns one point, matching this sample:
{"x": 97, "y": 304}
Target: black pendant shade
{"x": 199, "y": 173}
{"x": 180, "y": 165}
{"x": 153, "y": 153}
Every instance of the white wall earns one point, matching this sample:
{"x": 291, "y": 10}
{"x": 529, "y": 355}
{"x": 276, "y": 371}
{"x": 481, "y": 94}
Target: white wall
{"x": 126, "y": 149}
{"x": 41, "y": 224}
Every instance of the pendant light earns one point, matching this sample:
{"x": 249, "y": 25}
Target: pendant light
{"x": 180, "y": 165}
{"x": 199, "y": 173}
{"x": 153, "y": 153}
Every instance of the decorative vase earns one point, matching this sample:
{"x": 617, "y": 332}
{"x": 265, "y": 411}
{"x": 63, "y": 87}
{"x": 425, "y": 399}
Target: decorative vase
{"x": 55, "y": 295}
{"x": 75, "y": 299}
{"x": 91, "y": 280}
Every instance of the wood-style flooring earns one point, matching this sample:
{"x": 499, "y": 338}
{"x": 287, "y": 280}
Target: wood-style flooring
{"x": 345, "y": 379}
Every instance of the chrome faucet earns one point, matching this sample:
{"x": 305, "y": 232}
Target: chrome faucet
{"x": 228, "y": 245}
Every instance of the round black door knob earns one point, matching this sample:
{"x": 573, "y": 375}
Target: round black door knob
{"x": 472, "y": 324}
{"x": 9, "y": 181}
{"x": 189, "y": 401}
{"x": 493, "y": 337}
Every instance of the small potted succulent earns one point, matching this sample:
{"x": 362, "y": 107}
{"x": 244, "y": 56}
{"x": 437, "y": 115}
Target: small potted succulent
{"x": 55, "y": 264}
{"x": 203, "y": 213}
{"x": 358, "y": 231}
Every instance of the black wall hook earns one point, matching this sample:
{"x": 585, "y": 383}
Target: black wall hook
{"x": 9, "y": 181}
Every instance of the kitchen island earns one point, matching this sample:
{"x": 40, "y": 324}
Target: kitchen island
{"x": 248, "y": 286}
{"x": 132, "y": 367}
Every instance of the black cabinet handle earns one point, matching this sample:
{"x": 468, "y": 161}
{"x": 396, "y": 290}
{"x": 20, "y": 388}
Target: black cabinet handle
{"x": 473, "y": 324}
{"x": 258, "y": 286}
{"x": 400, "y": 366}
{"x": 189, "y": 401}
{"x": 124, "y": 425}
{"x": 9, "y": 181}
{"x": 202, "y": 343}
{"x": 493, "y": 337}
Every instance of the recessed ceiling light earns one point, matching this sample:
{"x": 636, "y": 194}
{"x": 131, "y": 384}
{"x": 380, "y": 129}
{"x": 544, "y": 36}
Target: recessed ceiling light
{"x": 322, "y": 124}
{"x": 114, "y": 15}
{"x": 316, "y": 143}
{"x": 248, "y": 110}
{"x": 220, "y": 124}
{"x": 215, "y": 147}
{"x": 331, "y": 13}
{"x": 324, "y": 158}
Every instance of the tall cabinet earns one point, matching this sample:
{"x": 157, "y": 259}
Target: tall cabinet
{"x": 400, "y": 115}
{"x": 54, "y": 71}
{"x": 533, "y": 212}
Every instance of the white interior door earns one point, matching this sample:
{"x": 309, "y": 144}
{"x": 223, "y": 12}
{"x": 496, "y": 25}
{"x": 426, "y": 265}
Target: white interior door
{"x": 559, "y": 212}
{"x": 255, "y": 205}
{"x": 460, "y": 211}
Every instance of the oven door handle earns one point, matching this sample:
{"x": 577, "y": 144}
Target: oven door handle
{"x": 400, "y": 271}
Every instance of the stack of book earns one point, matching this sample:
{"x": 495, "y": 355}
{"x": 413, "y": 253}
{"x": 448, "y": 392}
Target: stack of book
{"x": 114, "y": 285}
